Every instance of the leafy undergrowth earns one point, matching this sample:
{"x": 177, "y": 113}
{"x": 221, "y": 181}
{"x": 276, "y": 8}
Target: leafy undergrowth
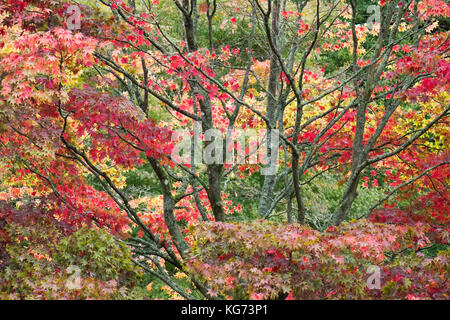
{"x": 264, "y": 260}
{"x": 43, "y": 258}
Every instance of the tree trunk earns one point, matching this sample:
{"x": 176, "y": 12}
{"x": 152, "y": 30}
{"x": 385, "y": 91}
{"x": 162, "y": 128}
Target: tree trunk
{"x": 265, "y": 199}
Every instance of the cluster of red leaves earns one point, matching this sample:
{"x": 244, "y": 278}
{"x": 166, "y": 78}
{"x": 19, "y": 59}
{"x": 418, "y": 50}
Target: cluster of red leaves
{"x": 429, "y": 56}
{"x": 16, "y": 13}
{"x": 32, "y": 15}
{"x": 117, "y": 129}
{"x": 104, "y": 128}
{"x": 186, "y": 213}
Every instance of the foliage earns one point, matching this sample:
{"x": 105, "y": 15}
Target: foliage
{"x": 89, "y": 123}
{"x": 263, "y": 260}
{"x": 43, "y": 259}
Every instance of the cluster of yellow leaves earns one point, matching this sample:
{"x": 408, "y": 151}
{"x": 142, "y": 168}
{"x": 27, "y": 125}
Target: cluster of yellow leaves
{"x": 437, "y": 138}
